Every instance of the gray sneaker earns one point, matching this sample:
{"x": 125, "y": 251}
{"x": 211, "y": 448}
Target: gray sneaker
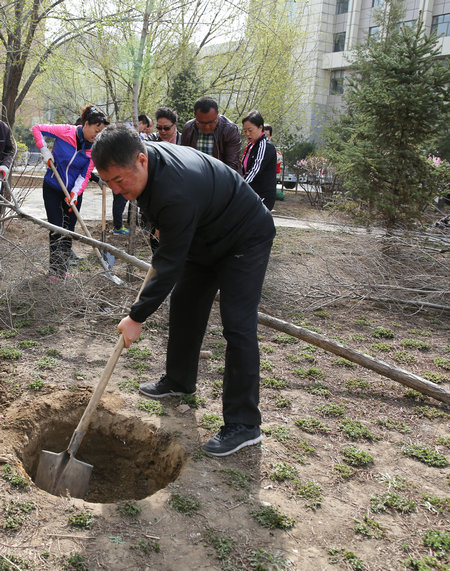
{"x": 162, "y": 388}
{"x": 231, "y": 438}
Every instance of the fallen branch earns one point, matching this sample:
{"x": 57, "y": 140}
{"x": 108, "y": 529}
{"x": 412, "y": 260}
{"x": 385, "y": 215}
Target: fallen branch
{"x": 395, "y": 373}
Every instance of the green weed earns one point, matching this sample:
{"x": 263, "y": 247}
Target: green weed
{"x": 426, "y": 455}
{"x": 81, "y": 519}
{"x": 211, "y": 421}
{"x": 438, "y": 540}
{"x": 427, "y": 563}
{"x": 10, "y": 353}
{"x": 355, "y": 429}
{"x": 430, "y": 412}
{"x": 391, "y": 500}
{"x": 45, "y": 330}
{"x": 152, "y": 406}
{"x": 8, "y": 333}
{"x": 267, "y": 349}
{"x": 54, "y": 353}
{"x": 36, "y": 385}
{"x": 74, "y": 562}
{"x": 275, "y": 383}
{"x": 272, "y": 518}
{"x": 415, "y": 344}
{"x": 356, "y": 457}
{"x": 266, "y": 365}
{"x": 15, "y": 512}
{"x": 331, "y": 409}
{"x": 322, "y": 314}
{"x": 217, "y": 388}
{"x": 129, "y": 508}
{"x": 444, "y": 441}
{"x": 422, "y": 332}
{"x": 237, "y": 479}
{"x": 186, "y": 504}
{"x": 436, "y": 504}
{"x": 381, "y": 347}
{"x": 347, "y": 558}
{"x": 147, "y": 546}
{"x": 319, "y": 390}
{"x": 280, "y": 433}
{"x": 17, "y": 562}
{"x": 137, "y": 353}
{"x": 344, "y": 470}
{"x": 282, "y": 471}
{"x": 312, "y": 425}
{"x": 383, "y": 333}
{"x": 194, "y": 401}
{"x": 47, "y": 363}
{"x": 283, "y": 402}
{"x": 138, "y": 366}
{"x": 341, "y": 362}
{"x": 404, "y": 358}
{"x": 28, "y": 343}
{"x": 312, "y": 492}
{"x": 393, "y": 425}
{"x": 129, "y": 385}
{"x": 369, "y": 528}
{"x": 262, "y": 560}
{"x": 311, "y": 373}
{"x": 285, "y": 339}
{"x": 293, "y": 358}
{"x": 221, "y": 543}
{"x": 13, "y": 478}
{"x": 363, "y": 320}
{"x": 437, "y": 378}
{"x": 443, "y": 362}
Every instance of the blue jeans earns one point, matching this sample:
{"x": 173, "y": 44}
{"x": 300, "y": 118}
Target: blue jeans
{"x": 239, "y": 277}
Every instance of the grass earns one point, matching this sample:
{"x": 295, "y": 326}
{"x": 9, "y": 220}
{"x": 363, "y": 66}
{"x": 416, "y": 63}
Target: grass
{"x": 152, "y": 406}
{"x": 272, "y": 518}
{"x": 186, "y": 504}
{"x": 426, "y": 455}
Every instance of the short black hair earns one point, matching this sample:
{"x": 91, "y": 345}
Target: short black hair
{"x": 205, "y": 104}
{"x": 144, "y": 119}
{"x": 254, "y": 117}
{"x": 93, "y": 115}
{"x": 118, "y": 145}
{"x": 268, "y": 128}
{"x": 166, "y": 113}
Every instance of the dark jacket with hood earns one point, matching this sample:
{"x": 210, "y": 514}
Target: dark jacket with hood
{"x": 6, "y": 146}
{"x": 227, "y": 141}
{"x": 204, "y": 211}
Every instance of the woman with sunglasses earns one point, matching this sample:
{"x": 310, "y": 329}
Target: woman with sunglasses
{"x": 166, "y": 125}
{"x": 71, "y": 156}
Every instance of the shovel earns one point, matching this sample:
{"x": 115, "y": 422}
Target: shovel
{"x": 107, "y": 256}
{"x": 62, "y": 473}
{"x": 103, "y": 263}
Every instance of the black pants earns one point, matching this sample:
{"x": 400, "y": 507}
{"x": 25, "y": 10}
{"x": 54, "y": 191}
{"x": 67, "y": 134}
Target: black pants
{"x": 58, "y": 213}
{"x": 119, "y": 203}
{"x": 240, "y": 278}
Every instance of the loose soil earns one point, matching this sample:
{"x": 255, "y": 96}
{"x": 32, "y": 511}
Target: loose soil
{"x": 157, "y": 502}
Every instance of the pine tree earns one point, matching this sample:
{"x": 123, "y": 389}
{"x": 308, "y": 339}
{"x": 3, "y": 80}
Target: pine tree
{"x": 396, "y": 97}
{"x": 184, "y": 91}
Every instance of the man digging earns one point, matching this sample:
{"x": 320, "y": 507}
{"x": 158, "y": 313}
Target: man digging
{"x": 215, "y": 234}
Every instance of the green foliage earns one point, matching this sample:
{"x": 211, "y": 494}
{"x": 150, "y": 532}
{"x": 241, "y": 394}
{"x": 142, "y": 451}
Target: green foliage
{"x": 415, "y": 344}
{"x": 262, "y": 560}
{"x": 237, "y": 479}
{"x": 393, "y": 425}
{"x": 28, "y": 343}
{"x": 319, "y": 390}
{"x": 311, "y": 373}
{"x": 47, "y": 363}
{"x": 284, "y": 338}
{"x": 341, "y": 362}
{"x": 344, "y": 470}
{"x": 82, "y": 519}
{"x": 358, "y": 384}
{"x": 443, "y": 362}
{"x": 271, "y": 517}
{"x": 211, "y": 421}
{"x": 312, "y": 492}
{"x": 10, "y": 353}
{"x": 185, "y": 89}
{"x": 147, "y": 546}
{"x": 404, "y": 358}
{"x": 369, "y": 528}
{"x": 356, "y": 457}
{"x": 14, "y": 479}
{"x": 438, "y": 540}
{"x": 45, "y": 330}
{"x": 280, "y": 433}
{"x": 347, "y": 558}
{"x": 275, "y": 383}
{"x": 312, "y": 425}
{"x": 382, "y": 347}
{"x": 383, "y": 333}
{"x": 129, "y": 508}
{"x": 74, "y": 562}
{"x": 355, "y": 429}
{"x": 221, "y": 543}
{"x": 129, "y": 385}
{"x": 266, "y": 365}
{"x": 8, "y": 334}
{"x": 283, "y": 402}
{"x": 186, "y": 504}
{"x": 17, "y": 562}
{"x": 15, "y": 512}
{"x": 194, "y": 401}
{"x": 426, "y": 455}
{"x": 430, "y": 412}
{"x": 391, "y": 500}
{"x": 152, "y": 406}
{"x": 54, "y": 353}
{"x": 434, "y": 377}
{"x": 331, "y": 409}
{"x": 36, "y": 385}
{"x": 137, "y": 353}
{"x": 283, "y": 471}
{"x": 322, "y": 314}
{"x": 427, "y": 563}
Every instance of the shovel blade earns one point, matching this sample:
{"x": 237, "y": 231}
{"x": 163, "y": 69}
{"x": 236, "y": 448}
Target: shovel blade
{"x": 59, "y": 474}
{"x": 108, "y": 257}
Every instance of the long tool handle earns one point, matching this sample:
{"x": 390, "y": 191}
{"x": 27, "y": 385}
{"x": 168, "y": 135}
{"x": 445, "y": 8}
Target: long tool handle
{"x": 103, "y": 211}
{"x": 80, "y": 430}
{"x": 78, "y": 215}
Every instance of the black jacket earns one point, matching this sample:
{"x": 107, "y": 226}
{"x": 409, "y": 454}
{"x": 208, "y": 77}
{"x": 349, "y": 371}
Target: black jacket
{"x": 227, "y": 141}
{"x": 6, "y": 146}
{"x": 261, "y": 169}
{"x": 204, "y": 211}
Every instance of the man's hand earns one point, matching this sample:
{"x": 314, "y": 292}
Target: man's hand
{"x": 47, "y": 155}
{"x": 4, "y": 172}
{"x": 72, "y": 201}
{"x": 130, "y": 330}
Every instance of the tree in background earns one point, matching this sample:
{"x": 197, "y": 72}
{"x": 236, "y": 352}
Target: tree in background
{"x": 396, "y": 97}
{"x": 185, "y": 89}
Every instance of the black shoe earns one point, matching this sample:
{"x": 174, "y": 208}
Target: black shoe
{"x": 231, "y": 438}
{"x": 162, "y": 388}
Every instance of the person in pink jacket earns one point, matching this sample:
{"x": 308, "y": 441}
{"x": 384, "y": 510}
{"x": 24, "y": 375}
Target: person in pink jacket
{"x": 71, "y": 156}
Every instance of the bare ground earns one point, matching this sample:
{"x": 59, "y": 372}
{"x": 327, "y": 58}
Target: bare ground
{"x": 55, "y": 342}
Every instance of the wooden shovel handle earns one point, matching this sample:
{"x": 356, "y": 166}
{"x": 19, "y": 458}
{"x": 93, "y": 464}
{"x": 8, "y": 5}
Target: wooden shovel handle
{"x": 81, "y": 429}
{"x": 103, "y": 209}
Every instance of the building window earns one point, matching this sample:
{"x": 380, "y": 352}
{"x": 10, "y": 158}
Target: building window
{"x": 341, "y": 6}
{"x": 337, "y": 82}
{"x": 339, "y": 42}
{"x": 376, "y": 3}
{"x": 374, "y": 31}
{"x": 441, "y": 25}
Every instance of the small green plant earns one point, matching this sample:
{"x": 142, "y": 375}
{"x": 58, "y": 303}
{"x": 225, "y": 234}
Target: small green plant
{"x": 217, "y": 387}
{"x": 390, "y": 424}
{"x": 262, "y": 560}
{"x": 363, "y": 320}
{"x": 404, "y": 358}
{"x": 331, "y": 409}
{"x": 283, "y": 402}
{"x": 282, "y": 471}
{"x": 436, "y": 504}
{"x": 344, "y": 470}
{"x": 421, "y": 332}
{"x": 82, "y": 519}
{"x": 36, "y": 385}
{"x": 237, "y": 479}
{"x": 312, "y": 425}
{"x": 381, "y": 347}
{"x": 430, "y": 412}
{"x": 266, "y": 365}
{"x": 267, "y": 349}
{"x": 415, "y": 344}
{"x": 274, "y": 383}
{"x": 10, "y": 353}
{"x": 426, "y": 455}
{"x": 347, "y": 558}
{"x": 356, "y": 457}
{"x": 138, "y": 366}
{"x": 194, "y": 401}
{"x": 8, "y": 333}
{"x": 319, "y": 390}
{"x": 15, "y": 512}
{"x": 129, "y": 385}
{"x": 16, "y": 561}
{"x": 427, "y": 563}
{"x": 383, "y": 333}
{"x": 271, "y": 517}
{"x": 186, "y": 504}
{"x": 147, "y": 546}
{"x": 369, "y": 528}
{"x": 152, "y": 406}
{"x": 312, "y": 492}
{"x": 129, "y": 508}
{"x": 47, "y": 363}
{"x": 355, "y": 429}
{"x": 45, "y": 330}
{"x": 27, "y": 344}
{"x": 221, "y": 543}
{"x": 357, "y": 337}
{"x": 74, "y": 562}
{"x": 443, "y": 362}
{"x": 311, "y": 373}
{"x": 211, "y": 421}
{"x": 14, "y": 479}
{"x": 444, "y": 441}
{"x": 54, "y": 353}
{"x": 437, "y": 378}
{"x": 293, "y": 358}
{"x": 280, "y": 433}
{"x": 341, "y": 362}
{"x": 322, "y": 314}
{"x": 391, "y": 500}
{"x": 285, "y": 339}
{"x": 438, "y": 540}
{"x": 412, "y": 394}
{"x": 137, "y": 353}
